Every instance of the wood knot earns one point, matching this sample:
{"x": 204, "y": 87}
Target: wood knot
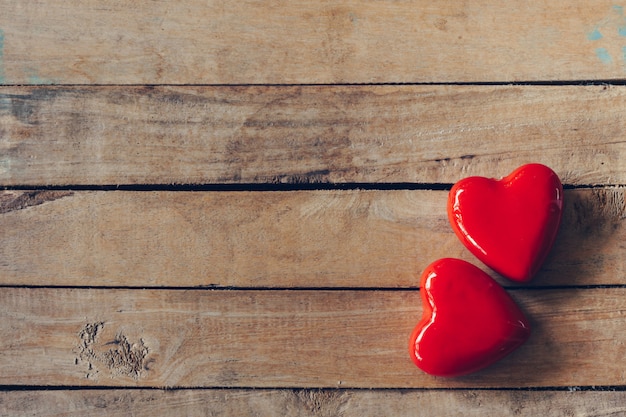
{"x": 116, "y": 357}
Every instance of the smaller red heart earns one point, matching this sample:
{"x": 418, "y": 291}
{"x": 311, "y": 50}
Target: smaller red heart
{"x": 468, "y": 323}
{"x": 509, "y": 224}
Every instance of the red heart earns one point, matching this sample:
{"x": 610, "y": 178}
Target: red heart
{"x": 509, "y": 224}
{"x": 469, "y": 321}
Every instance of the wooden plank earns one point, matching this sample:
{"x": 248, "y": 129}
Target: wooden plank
{"x": 314, "y": 134}
{"x": 311, "y": 239}
{"x": 348, "y": 41}
{"x": 304, "y": 403}
{"x": 345, "y": 339}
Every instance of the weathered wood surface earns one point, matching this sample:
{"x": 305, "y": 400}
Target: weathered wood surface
{"x": 237, "y": 93}
{"x": 306, "y": 403}
{"x": 294, "y": 42}
{"x": 312, "y": 239}
{"x": 308, "y": 134}
{"x": 345, "y": 339}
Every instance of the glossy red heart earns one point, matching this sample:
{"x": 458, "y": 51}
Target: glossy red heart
{"x": 468, "y": 323}
{"x": 509, "y": 224}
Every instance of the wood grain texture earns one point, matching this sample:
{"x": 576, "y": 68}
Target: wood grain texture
{"x": 100, "y": 296}
{"x": 345, "y": 339}
{"x": 308, "y": 403}
{"x": 314, "y": 134}
{"x": 312, "y": 239}
{"x": 348, "y": 41}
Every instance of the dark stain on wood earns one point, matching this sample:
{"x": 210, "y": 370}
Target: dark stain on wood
{"x": 313, "y": 177}
{"x": 26, "y": 107}
{"x": 19, "y": 200}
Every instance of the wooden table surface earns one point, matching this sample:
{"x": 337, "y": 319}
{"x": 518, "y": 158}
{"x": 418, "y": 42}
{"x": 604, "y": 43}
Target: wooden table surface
{"x": 223, "y": 207}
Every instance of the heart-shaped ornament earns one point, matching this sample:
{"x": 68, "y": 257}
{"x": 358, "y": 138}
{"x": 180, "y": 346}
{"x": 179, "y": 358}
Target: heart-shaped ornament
{"x": 509, "y": 224}
{"x": 468, "y": 323}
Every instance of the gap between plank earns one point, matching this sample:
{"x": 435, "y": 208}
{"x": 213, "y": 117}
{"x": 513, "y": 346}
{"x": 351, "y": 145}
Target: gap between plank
{"x": 402, "y": 186}
{"x": 315, "y": 186}
{"x": 587, "y": 388}
{"x": 558, "y": 83}
{"x": 328, "y": 289}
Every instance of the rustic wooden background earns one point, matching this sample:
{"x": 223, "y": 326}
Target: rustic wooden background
{"x": 223, "y": 207}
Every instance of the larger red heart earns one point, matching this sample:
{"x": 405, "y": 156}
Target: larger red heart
{"x": 509, "y": 224}
{"x": 468, "y": 323}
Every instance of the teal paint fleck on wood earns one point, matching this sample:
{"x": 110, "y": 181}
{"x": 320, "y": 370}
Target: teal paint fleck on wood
{"x": 604, "y": 55}
{"x": 594, "y": 35}
{"x": 35, "y": 79}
